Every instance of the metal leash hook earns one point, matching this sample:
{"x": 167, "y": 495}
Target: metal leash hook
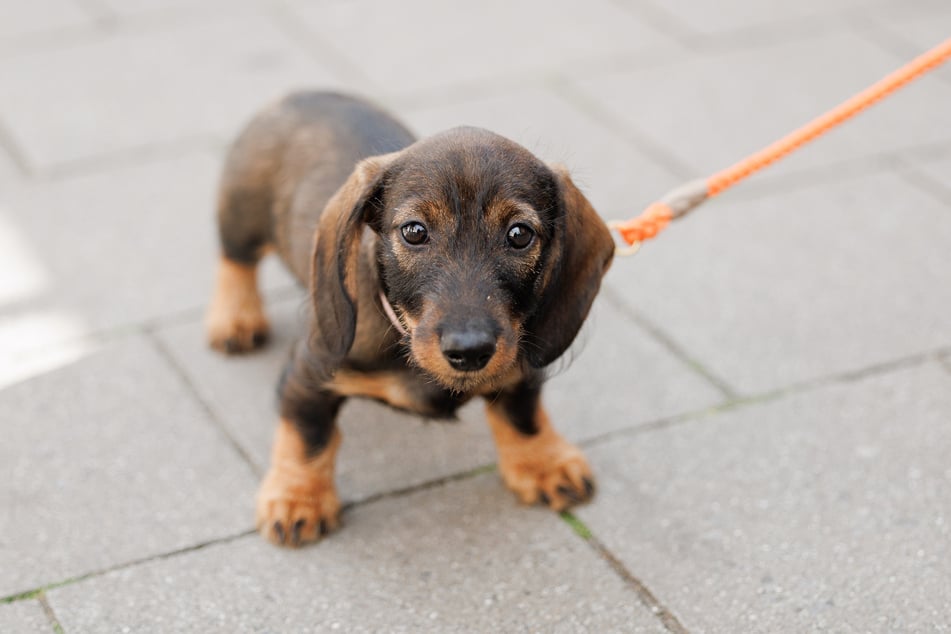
{"x": 622, "y": 249}
{"x": 658, "y": 215}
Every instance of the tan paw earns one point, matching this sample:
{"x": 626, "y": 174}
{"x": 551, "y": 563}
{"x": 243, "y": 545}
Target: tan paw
{"x": 235, "y": 321}
{"x": 294, "y": 507}
{"x": 549, "y": 470}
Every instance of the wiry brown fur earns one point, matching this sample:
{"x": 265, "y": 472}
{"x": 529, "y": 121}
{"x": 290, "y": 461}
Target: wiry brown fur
{"x": 329, "y": 182}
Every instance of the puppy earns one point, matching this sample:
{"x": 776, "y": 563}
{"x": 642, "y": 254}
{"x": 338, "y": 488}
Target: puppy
{"x": 439, "y": 270}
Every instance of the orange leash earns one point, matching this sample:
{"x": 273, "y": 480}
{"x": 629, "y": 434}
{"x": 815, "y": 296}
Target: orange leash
{"x": 682, "y": 200}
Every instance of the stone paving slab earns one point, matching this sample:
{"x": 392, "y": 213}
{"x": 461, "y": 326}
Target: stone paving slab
{"x": 385, "y": 450}
{"x": 445, "y": 44}
{"x": 827, "y": 510}
{"x": 117, "y": 247}
{"x": 8, "y": 171}
{"x": 160, "y": 8}
{"x": 463, "y": 557}
{"x": 110, "y": 460}
{"x": 744, "y": 100}
{"x": 791, "y": 288}
{"x": 938, "y": 170}
{"x": 21, "y": 20}
{"x": 617, "y": 178}
{"x": 134, "y": 89}
{"x": 725, "y": 16}
{"x": 919, "y": 30}
{"x": 24, "y": 617}
{"x": 382, "y": 449}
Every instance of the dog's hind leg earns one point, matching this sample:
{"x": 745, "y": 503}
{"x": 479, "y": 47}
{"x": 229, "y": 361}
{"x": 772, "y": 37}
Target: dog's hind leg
{"x": 235, "y": 321}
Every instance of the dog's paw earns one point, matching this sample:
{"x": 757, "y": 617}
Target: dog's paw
{"x": 295, "y": 507}
{"x": 549, "y": 470}
{"x": 235, "y": 321}
{"x": 236, "y": 329}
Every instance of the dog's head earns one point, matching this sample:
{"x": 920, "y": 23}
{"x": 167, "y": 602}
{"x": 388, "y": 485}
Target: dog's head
{"x": 490, "y": 256}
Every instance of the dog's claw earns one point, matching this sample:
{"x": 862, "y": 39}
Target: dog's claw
{"x": 279, "y": 532}
{"x": 573, "y": 497}
{"x": 295, "y": 531}
{"x": 588, "y": 487}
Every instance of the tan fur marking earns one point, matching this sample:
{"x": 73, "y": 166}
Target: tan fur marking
{"x": 504, "y": 211}
{"x": 383, "y": 386}
{"x": 298, "y": 491}
{"x": 235, "y": 321}
{"x": 427, "y": 354}
{"x": 541, "y": 466}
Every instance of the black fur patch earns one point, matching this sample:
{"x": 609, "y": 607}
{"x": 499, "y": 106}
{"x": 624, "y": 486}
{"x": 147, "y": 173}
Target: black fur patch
{"x": 520, "y": 405}
{"x": 246, "y": 224}
{"x": 312, "y": 411}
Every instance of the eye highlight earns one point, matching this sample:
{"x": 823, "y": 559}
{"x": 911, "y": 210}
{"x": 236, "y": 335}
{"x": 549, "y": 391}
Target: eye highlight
{"x": 520, "y": 236}
{"x": 415, "y": 233}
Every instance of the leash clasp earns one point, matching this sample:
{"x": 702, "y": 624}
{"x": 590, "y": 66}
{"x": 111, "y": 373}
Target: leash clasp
{"x": 621, "y": 248}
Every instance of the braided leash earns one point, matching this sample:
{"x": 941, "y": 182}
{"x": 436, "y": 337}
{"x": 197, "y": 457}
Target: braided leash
{"x": 679, "y": 202}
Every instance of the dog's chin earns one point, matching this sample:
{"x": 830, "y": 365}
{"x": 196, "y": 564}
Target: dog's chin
{"x": 480, "y": 381}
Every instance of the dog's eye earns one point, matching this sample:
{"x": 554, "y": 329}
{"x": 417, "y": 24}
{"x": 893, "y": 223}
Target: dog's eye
{"x": 414, "y": 232}
{"x": 520, "y": 236}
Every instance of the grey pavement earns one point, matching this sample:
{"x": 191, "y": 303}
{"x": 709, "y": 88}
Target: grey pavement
{"x": 764, "y": 391}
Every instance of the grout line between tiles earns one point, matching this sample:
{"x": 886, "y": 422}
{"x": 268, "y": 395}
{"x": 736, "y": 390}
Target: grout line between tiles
{"x": 895, "y": 44}
{"x": 41, "y": 590}
{"x": 942, "y": 355}
{"x": 190, "y": 315}
{"x": 284, "y": 18}
{"x": 665, "y": 340}
{"x": 100, "y": 13}
{"x": 584, "y": 103}
{"x": 924, "y": 182}
{"x": 938, "y": 355}
{"x": 745, "y": 37}
{"x": 48, "y": 610}
{"x": 134, "y": 156}
{"x": 108, "y": 24}
{"x": 421, "y": 486}
{"x": 670, "y": 622}
{"x": 13, "y": 150}
{"x": 661, "y": 21}
{"x": 206, "y": 407}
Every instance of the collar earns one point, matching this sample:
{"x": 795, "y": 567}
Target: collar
{"x": 391, "y": 314}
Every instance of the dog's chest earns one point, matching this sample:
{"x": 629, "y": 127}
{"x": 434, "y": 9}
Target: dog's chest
{"x": 404, "y": 389}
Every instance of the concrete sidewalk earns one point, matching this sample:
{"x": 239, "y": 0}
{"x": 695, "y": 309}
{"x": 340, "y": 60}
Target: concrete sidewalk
{"x": 764, "y": 393}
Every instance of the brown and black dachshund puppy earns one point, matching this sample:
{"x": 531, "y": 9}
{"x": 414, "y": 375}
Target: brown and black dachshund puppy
{"x": 486, "y": 259}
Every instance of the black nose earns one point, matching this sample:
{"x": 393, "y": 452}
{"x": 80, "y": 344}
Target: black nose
{"x": 467, "y": 350}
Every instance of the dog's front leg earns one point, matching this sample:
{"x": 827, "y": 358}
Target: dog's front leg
{"x": 535, "y": 461}
{"x": 297, "y": 501}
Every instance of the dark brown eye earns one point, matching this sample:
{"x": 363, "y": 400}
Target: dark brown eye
{"x": 520, "y": 236}
{"x": 414, "y": 233}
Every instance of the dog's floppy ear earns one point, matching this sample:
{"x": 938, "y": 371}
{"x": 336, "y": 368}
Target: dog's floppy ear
{"x": 335, "y": 261}
{"x": 582, "y": 253}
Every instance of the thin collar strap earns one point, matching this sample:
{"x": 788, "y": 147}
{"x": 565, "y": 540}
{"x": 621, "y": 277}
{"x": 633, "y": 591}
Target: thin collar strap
{"x": 391, "y": 314}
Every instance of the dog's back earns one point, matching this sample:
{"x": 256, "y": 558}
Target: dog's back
{"x": 288, "y": 162}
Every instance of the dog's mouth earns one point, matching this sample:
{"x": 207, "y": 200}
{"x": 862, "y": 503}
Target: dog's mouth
{"x": 463, "y": 371}
{"x": 468, "y": 382}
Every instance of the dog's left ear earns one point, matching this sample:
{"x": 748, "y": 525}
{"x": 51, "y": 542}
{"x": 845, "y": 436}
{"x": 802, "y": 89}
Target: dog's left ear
{"x": 583, "y": 250}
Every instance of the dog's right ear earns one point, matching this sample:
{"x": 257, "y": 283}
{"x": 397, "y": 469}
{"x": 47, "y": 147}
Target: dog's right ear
{"x": 333, "y": 285}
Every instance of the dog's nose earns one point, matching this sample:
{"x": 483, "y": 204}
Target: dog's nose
{"x": 467, "y": 350}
